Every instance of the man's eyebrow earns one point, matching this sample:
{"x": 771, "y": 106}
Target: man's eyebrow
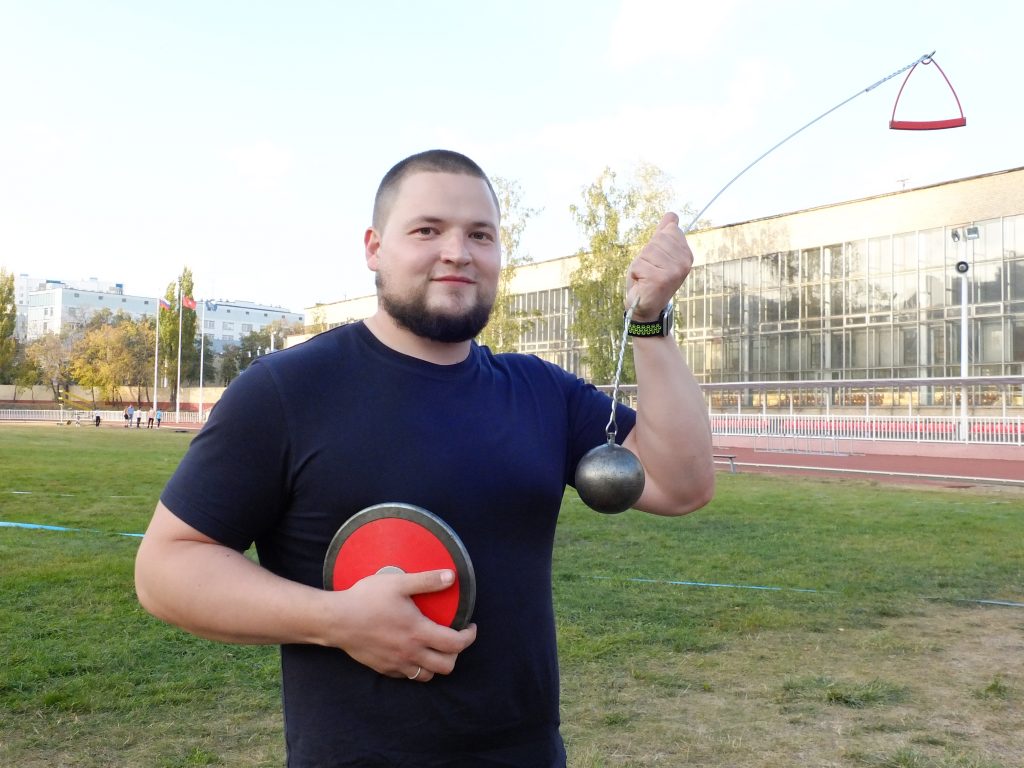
{"x": 426, "y": 219}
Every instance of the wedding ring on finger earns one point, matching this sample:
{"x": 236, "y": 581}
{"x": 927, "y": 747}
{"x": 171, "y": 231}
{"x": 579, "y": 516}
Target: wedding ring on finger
{"x": 416, "y": 676}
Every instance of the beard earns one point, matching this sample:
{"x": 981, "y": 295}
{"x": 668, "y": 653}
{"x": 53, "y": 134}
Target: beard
{"x": 415, "y": 316}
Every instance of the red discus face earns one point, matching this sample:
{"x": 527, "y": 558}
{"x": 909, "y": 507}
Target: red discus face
{"x": 406, "y": 538}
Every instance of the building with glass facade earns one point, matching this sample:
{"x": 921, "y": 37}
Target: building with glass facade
{"x": 864, "y": 289}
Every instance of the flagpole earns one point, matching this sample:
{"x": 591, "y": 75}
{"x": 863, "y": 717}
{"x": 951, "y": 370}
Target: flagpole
{"x": 156, "y": 358}
{"x": 177, "y": 391}
{"x": 202, "y": 350}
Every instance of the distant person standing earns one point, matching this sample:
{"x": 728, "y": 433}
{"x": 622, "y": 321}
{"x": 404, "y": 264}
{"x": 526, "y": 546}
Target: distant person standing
{"x": 159, "y": 417}
{"x": 96, "y": 417}
{"x": 138, "y": 417}
{"x": 149, "y": 418}
{"x": 129, "y": 412}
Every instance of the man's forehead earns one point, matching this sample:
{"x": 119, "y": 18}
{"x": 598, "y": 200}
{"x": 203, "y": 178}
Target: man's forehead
{"x": 417, "y": 189}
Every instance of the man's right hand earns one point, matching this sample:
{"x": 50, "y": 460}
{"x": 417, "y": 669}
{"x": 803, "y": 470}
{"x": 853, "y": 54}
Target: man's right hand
{"x": 380, "y": 625}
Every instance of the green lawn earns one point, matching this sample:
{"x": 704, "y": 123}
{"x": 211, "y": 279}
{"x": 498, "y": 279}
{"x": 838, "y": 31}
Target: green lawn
{"x": 845, "y": 630}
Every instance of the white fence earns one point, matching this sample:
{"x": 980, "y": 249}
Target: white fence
{"x": 85, "y": 417}
{"x": 832, "y": 433}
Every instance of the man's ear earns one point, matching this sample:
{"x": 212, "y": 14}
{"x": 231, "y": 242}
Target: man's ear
{"x": 371, "y": 243}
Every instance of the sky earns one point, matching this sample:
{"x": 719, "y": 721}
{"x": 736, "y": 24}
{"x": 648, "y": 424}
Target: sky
{"x": 244, "y": 139}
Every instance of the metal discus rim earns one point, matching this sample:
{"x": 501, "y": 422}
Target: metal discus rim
{"x": 441, "y": 531}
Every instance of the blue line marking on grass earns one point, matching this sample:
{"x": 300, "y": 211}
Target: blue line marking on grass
{"x": 674, "y": 583}
{"x": 1007, "y": 603}
{"x": 38, "y": 527}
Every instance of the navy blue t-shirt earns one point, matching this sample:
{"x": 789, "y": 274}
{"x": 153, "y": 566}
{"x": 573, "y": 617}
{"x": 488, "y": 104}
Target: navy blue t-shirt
{"x": 311, "y": 435}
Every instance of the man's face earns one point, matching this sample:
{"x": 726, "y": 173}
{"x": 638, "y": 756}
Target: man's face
{"x": 437, "y": 256}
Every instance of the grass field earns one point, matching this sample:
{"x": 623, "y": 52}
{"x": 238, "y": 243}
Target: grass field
{"x": 866, "y": 646}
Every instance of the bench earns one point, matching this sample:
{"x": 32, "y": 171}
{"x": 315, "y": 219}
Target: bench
{"x": 730, "y": 457}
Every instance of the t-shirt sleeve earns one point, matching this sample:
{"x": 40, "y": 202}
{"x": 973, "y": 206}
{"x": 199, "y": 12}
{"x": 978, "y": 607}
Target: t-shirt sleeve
{"x": 589, "y": 413}
{"x": 231, "y": 484}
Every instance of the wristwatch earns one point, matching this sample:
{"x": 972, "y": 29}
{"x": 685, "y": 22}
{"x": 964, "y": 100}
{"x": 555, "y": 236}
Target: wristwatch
{"x": 660, "y": 327}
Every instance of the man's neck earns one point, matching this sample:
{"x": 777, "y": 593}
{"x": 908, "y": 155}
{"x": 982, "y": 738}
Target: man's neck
{"x": 400, "y": 339}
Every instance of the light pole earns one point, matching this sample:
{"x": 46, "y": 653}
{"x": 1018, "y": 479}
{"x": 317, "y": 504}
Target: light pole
{"x": 962, "y": 267}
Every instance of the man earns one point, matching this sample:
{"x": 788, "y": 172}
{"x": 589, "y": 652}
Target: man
{"x": 405, "y": 407}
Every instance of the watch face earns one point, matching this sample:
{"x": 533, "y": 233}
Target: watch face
{"x": 668, "y": 317}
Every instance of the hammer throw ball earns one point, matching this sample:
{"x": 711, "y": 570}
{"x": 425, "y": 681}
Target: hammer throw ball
{"x": 403, "y": 538}
{"x": 609, "y": 478}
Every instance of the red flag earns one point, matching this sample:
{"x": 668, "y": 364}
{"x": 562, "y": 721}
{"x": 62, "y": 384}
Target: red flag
{"x": 165, "y": 304}
{"x": 188, "y": 302}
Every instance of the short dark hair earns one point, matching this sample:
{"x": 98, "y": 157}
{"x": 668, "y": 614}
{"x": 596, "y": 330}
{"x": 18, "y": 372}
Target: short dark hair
{"x": 430, "y": 161}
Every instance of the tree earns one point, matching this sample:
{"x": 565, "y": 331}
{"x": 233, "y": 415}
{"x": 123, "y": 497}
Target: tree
{"x": 230, "y": 360}
{"x": 53, "y": 356}
{"x": 115, "y": 351}
{"x": 505, "y": 327}
{"x": 617, "y": 222}
{"x": 8, "y": 326}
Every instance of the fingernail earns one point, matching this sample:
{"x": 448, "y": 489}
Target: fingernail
{"x": 447, "y": 577}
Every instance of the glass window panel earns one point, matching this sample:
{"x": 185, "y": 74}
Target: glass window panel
{"x": 906, "y": 349}
{"x": 791, "y": 351}
{"x": 734, "y": 303}
{"x": 881, "y": 347}
{"x": 858, "y": 348}
{"x": 810, "y": 347}
{"x": 1017, "y": 350}
{"x": 991, "y": 340}
{"x": 931, "y": 248}
{"x": 932, "y": 292}
{"x": 753, "y": 316}
{"x": 832, "y": 260}
{"x": 986, "y": 279}
{"x": 770, "y": 306}
{"x": 812, "y": 301}
{"x": 838, "y": 305}
{"x": 731, "y": 353}
{"x": 856, "y": 259}
{"x": 770, "y": 273}
{"x": 881, "y": 293}
{"x": 856, "y": 296}
{"x": 811, "y": 265}
{"x": 791, "y": 303}
{"x": 713, "y": 352}
{"x": 717, "y": 312}
{"x": 904, "y": 251}
{"x": 697, "y": 280}
{"x": 1013, "y": 236}
{"x": 791, "y": 276}
{"x": 936, "y": 345}
{"x": 751, "y": 277}
{"x": 1015, "y": 280}
{"x": 733, "y": 282}
{"x": 904, "y": 292}
{"x": 771, "y": 362}
{"x": 989, "y": 245}
{"x": 880, "y": 255}
{"x": 715, "y": 278}
{"x": 837, "y": 347}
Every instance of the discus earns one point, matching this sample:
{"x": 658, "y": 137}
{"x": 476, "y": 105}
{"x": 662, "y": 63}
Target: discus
{"x": 403, "y": 538}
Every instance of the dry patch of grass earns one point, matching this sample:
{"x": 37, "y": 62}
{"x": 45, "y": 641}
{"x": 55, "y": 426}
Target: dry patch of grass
{"x": 943, "y": 688}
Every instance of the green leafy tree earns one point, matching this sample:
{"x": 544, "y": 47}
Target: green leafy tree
{"x": 617, "y": 221}
{"x": 26, "y": 373}
{"x": 506, "y": 325}
{"x": 8, "y": 326}
{"x": 229, "y": 367}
